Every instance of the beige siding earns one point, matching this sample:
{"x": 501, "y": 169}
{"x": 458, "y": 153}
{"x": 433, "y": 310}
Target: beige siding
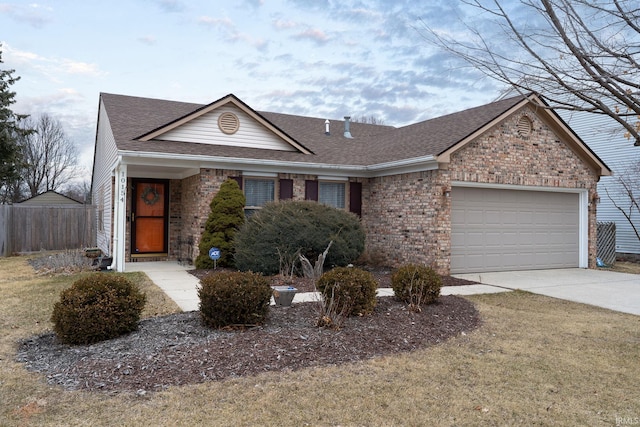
{"x": 204, "y": 130}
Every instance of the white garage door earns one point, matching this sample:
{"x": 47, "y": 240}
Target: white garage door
{"x": 500, "y": 230}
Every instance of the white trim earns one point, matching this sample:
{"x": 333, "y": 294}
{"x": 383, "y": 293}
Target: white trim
{"x": 333, "y": 178}
{"x": 252, "y": 174}
{"x": 583, "y": 210}
{"x": 417, "y": 164}
{"x": 119, "y": 220}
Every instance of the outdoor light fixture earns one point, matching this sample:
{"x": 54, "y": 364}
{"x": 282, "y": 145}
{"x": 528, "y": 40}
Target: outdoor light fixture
{"x": 446, "y": 192}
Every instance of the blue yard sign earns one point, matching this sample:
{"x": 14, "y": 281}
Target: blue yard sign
{"x": 214, "y": 254}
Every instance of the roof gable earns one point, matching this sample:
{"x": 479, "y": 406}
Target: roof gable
{"x": 203, "y": 126}
{"x": 550, "y": 117}
{"x": 50, "y": 197}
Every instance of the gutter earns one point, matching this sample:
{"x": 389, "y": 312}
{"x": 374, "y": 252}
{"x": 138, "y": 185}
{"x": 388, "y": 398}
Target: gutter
{"x": 259, "y": 165}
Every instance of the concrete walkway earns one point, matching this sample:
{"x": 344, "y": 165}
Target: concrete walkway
{"x": 182, "y": 287}
{"x": 607, "y": 289}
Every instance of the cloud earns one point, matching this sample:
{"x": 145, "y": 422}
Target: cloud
{"x": 281, "y": 24}
{"x": 171, "y": 6}
{"x": 32, "y": 14}
{"x": 230, "y": 33}
{"x": 208, "y": 21}
{"x": 313, "y": 34}
{"x": 49, "y": 66}
{"x": 148, "y": 40}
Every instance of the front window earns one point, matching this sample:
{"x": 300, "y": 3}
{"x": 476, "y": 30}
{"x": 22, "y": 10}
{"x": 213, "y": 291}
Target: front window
{"x": 332, "y": 194}
{"x": 258, "y": 192}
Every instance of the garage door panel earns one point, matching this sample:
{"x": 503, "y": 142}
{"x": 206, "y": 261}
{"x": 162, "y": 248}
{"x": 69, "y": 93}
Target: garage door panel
{"x": 498, "y": 230}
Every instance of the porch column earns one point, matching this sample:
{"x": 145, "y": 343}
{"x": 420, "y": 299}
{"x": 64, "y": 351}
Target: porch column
{"x": 120, "y": 220}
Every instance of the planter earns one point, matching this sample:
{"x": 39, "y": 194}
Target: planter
{"x": 283, "y": 295}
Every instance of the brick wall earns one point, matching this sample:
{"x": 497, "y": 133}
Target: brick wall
{"x": 403, "y": 217}
{"x": 408, "y": 219}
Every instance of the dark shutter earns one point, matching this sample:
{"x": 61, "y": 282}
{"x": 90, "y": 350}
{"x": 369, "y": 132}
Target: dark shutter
{"x": 311, "y": 190}
{"x": 237, "y": 179}
{"x": 355, "y": 198}
{"x": 286, "y": 189}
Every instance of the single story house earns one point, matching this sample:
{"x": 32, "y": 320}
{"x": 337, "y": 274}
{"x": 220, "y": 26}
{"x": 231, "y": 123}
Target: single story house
{"x": 50, "y": 198}
{"x": 503, "y": 186}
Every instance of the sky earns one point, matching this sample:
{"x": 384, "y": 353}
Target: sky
{"x": 319, "y": 58}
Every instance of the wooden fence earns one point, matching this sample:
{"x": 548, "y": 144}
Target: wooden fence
{"x": 26, "y": 228}
{"x": 606, "y": 250}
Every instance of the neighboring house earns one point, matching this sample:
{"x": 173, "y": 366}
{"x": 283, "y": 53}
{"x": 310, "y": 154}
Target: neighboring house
{"x": 50, "y": 198}
{"x": 503, "y": 186}
{"x": 605, "y": 137}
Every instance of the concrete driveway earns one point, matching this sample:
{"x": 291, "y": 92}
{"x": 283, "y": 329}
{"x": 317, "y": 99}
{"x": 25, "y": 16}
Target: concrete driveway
{"x": 607, "y": 289}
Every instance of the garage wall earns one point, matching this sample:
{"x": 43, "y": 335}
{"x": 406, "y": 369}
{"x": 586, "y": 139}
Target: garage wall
{"x": 502, "y": 230}
{"x": 408, "y": 217}
{"x": 503, "y": 157}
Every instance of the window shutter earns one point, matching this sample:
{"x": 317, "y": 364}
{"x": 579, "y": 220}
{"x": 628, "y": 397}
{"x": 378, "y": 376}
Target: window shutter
{"x": 355, "y": 198}
{"x": 311, "y": 190}
{"x": 237, "y": 179}
{"x": 286, "y": 189}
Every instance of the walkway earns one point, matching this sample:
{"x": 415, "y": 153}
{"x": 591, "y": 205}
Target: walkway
{"x": 182, "y": 287}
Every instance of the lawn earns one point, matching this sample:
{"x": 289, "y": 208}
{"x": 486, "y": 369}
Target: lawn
{"x": 534, "y": 361}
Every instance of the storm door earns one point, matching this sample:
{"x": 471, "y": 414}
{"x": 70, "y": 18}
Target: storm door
{"x": 149, "y": 214}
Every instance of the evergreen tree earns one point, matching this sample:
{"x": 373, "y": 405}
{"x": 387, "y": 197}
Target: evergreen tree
{"x": 226, "y": 217}
{"x": 10, "y": 132}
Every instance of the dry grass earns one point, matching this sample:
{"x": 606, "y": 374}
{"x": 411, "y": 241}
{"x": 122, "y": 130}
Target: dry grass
{"x": 535, "y": 361}
{"x": 626, "y": 267}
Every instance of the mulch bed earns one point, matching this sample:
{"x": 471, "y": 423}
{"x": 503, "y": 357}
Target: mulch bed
{"x": 177, "y": 349}
{"x": 382, "y": 276}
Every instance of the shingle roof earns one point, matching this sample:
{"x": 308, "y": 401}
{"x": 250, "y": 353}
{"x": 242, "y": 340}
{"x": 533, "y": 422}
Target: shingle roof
{"x": 130, "y": 117}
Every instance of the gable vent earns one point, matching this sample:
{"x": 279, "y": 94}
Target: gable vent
{"x": 228, "y": 123}
{"x": 524, "y": 126}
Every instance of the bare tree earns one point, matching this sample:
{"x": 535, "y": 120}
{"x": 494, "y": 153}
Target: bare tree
{"x": 372, "y": 120}
{"x": 581, "y": 55}
{"x": 49, "y": 157}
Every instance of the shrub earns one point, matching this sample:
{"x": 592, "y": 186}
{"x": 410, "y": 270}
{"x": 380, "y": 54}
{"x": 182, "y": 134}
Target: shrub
{"x": 349, "y": 290}
{"x": 416, "y": 285}
{"x": 279, "y": 230}
{"x": 227, "y": 215}
{"x": 97, "y": 307}
{"x": 234, "y": 298}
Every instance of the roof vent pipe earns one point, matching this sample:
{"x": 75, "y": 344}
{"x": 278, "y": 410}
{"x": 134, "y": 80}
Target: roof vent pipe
{"x": 326, "y": 127}
{"x": 347, "y": 131}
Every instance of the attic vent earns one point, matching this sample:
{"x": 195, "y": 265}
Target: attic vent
{"x": 524, "y": 126}
{"x": 228, "y": 123}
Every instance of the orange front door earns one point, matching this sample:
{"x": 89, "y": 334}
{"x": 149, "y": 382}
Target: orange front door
{"x": 149, "y": 217}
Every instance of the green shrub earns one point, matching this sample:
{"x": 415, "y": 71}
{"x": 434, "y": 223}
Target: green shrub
{"x": 416, "y": 284}
{"x": 234, "y": 298}
{"x": 350, "y": 289}
{"x": 97, "y": 307}
{"x": 272, "y": 236}
{"x": 227, "y": 215}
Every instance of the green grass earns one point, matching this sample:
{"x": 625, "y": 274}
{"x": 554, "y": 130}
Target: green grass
{"x": 535, "y": 361}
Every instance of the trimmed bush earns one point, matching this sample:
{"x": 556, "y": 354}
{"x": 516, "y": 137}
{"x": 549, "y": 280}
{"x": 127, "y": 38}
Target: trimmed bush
{"x": 272, "y": 236}
{"x": 97, "y": 307}
{"x": 226, "y": 217}
{"x": 416, "y": 284}
{"x": 350, "y": 289}
{"x": 234, "y": 299}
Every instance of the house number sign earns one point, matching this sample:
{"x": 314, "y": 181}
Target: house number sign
{"x": 123, "y": 185}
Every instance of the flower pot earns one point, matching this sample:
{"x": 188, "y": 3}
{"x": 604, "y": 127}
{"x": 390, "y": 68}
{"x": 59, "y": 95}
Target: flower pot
{"x": 283, "y": 295}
